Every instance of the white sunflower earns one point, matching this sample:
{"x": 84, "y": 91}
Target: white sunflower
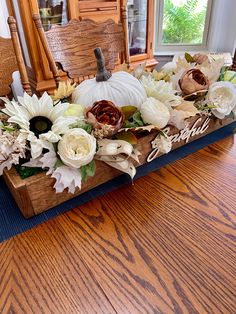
{"x": 161, "y": 90}
{"x": 40, "y": 122}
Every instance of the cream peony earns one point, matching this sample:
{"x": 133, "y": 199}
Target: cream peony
{"x": 155, "y": 112}
{"x": 223, "y": 96}
{"x": 77, "y": 148}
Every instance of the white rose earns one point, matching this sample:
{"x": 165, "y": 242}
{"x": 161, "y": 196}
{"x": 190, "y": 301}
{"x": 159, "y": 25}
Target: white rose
{"x": 163, "y": 143}
{"x": 77, "y": 148}
{"x": 155, "y": 112}
{"x": 223, "y": 96}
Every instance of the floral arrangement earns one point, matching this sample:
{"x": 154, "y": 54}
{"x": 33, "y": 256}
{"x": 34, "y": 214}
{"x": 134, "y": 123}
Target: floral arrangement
{"x": 101, "y": 119}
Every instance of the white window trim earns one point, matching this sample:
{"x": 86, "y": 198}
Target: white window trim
{"x": 171, "y": 49}
{"x": 4, "y": 29}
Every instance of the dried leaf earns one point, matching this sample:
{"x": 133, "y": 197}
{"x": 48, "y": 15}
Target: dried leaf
{"x": 124, "y": 166}
{"x": 127, "y": 136}
{"x": 182, "y": 112}
{"x": 188, "y": 108}
{"x": 212, "y": 70}
{"x": 135, "y": 155}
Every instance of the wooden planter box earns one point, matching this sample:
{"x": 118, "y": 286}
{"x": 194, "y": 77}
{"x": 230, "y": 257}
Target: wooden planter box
{"x": 36, "y": 194}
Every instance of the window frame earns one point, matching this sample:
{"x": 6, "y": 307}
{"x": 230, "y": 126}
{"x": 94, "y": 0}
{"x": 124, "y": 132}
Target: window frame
{"x": 170, "y": 49}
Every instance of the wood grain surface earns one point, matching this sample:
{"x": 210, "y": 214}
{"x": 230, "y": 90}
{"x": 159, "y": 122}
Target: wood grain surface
{"x": 163, "y": 245}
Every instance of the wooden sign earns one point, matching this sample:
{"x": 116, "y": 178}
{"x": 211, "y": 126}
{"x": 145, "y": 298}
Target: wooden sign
{"x": 200, "y": 126}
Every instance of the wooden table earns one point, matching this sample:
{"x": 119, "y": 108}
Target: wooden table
{"x": 163, "y": 245}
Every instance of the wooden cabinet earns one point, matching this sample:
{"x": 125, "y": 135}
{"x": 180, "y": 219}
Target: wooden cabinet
{"x": 98, "y": 10}
{"x": 60, "y": 11}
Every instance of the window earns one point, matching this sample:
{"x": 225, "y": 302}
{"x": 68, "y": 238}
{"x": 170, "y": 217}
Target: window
{"x": 182, "y": 25}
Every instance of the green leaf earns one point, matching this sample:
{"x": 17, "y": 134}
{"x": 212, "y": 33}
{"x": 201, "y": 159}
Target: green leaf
{"x": 188, "y": 57}
{"x": 83, "y": 173}
{"x": 222, "y": 73}
{"x": 231, "y": 115}
{"x": 26, "y": 172}
{"x": 87, "y": 127}
{"x": 232, "y": 77}
{"x": 128, "y": 111}
{"x": 58, "y": 163}
{"x": 88, "y": 170}
{"x": 129, "y": 124}
{"x": 134, "y": 121}
{"x": 127, "y": 136}
{"x": 65, "y": 100}
{"x": 137, "y": 118}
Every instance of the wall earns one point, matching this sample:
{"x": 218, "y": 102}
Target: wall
{"x": 21, "y": 32}
{"x": 222, "y": 34}
{"x": 4, "y": 32}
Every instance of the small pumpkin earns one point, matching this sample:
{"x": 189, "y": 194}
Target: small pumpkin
{"x": 121, "y": 88}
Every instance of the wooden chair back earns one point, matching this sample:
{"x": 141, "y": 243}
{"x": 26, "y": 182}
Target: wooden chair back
{"x": 71, "y": 46}
{"x": 12, "y": 60}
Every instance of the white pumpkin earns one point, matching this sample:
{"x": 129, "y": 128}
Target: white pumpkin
{"x": 121, "y": 87}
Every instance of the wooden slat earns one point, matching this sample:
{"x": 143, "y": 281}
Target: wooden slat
{"x": 94, "y": 12}
{"x": 97, "y": 5}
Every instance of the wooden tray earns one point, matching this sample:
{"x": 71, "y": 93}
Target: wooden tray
{"x": 36, "y": 194}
